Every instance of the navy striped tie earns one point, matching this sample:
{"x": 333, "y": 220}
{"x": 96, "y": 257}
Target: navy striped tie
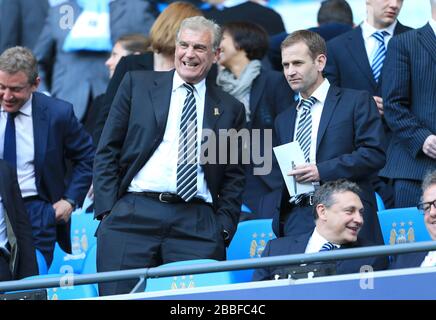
{"x": 187, "y": 156}
{"x": 380, "y": 54}
{"x": 327, "y": 247}
{"x": 304, "y": 128}
{"x": 10, "y": 142}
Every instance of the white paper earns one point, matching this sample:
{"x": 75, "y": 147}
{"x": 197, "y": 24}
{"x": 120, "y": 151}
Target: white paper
{"x": 287, "y": 154}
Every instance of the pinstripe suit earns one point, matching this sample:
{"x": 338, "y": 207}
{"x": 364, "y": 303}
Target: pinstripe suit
{"x": 409, "y": 92}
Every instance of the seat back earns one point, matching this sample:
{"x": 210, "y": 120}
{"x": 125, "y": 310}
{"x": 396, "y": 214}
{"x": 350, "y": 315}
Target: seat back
{"x": 83, "y": 227}
{"x": 380, "y": 203}
{"x": 42, "y": 264}
{"x": 189, "y": 281}
{"x": 248, "y": 243}
{"x": 402, "y": 225}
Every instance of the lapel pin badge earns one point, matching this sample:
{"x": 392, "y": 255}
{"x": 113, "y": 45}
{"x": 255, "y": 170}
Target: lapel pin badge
{"x": 216, "y": 112}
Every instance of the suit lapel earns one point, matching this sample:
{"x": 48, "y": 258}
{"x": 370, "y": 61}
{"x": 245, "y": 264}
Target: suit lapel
{"x": 161, "y": 97}
{"x": 357, "y": 50}
{"x": 40, "y": 132}
{"x": 299, "y": 244}
{"x": 256, "y": 93}
{"x": 426, "y": 37}
{"x": 212, "y": 108}
{"x": 287, "y": 131}
{"x": 327, "y": 112}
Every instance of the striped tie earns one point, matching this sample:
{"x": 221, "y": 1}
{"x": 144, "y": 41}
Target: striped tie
{"x": 327, "y": 247}
{"x": 304, "y": 128}
{"x": 187, "y": 157}
{"x": 380, "y": 54}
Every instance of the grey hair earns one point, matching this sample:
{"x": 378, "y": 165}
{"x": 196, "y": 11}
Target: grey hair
{"x": 18, "y": 59}
{"x": 324, "y": 195}
{"x": 429, "y": 178}
{"x": 199, "y": 23}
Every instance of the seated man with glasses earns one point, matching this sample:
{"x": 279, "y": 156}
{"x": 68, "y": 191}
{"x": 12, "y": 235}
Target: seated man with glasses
{"x": 428, "y": 209}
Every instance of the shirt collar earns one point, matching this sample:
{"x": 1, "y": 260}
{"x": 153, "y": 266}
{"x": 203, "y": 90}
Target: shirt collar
{"x": 200, "y": 87}
{"x": 320, "y": 93}
{"x": 320, "y": 240}
{"x": 233, "y": 3}
{"x": 26, "y": 109}
{"x": 368, "y": 30}
{"x": 432, "y": 23}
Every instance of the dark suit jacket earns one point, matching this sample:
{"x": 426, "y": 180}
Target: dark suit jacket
{"x": 349, "y": 145}
{"x": 18, "y": 226}
{"x": 59, "y": 136}
{"x": 266, "y": 17}
{"x": 347, "y": 62}
{"x": 21, "y": 22}
{"x": 408, "y": 260}
{"x": 270, "y": 95}
{"x": 409, "y": 85}
{"x": 297, "y": 245}
{"x": 135, "y": 128}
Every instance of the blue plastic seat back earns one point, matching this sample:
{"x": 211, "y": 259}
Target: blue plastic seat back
{"x": 188, "y": 281}
{"x": 42, "y": 264}
{"x": 83, "y": 228}
{"x": 249, "y": 241}
{"x": 380, "y": 203}
{"x": 64, "y": 292}
{"x": 402, "y": 225}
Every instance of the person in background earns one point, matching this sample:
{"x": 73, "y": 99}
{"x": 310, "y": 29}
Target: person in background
{"x": 338, "y": 213}
{"x": 264, "y": 93}
{"x": 17, "y": 252}
{"x": 409, "y": 93}
{"x": 427, "y": 206}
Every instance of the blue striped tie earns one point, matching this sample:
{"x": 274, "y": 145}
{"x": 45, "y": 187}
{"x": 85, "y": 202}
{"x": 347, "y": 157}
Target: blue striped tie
{"x": 304, "y": 128}
{"x": 380, "y": 54}
{"x": 327, "y": 247}
{"x": 187, "y": 157}
{"x": 10, "y": 142}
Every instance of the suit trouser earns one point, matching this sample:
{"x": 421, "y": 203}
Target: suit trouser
{"x": 407, "y": 192}
{"x": 5, "y": 272}
{"x": 43, "y": 220}
{"x": 142, "y": 232}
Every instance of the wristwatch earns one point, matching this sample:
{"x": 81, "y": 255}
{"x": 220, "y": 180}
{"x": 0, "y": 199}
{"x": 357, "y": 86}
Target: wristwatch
{"x": 71, "y": 201}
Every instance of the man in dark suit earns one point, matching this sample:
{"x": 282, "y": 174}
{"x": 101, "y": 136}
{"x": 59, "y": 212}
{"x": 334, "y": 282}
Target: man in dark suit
{"x": 161, "y": 198}
{"x": 21, "y": 22}
{"x": 339, "y": 131}
{"x": 355, "y": 61}
{"x": 17, "y": 253}
{"x": 37, "y": 135}
{"x": 338, "y": 213}
{"x": 409, "y": 84}
{"x": 428, "y": 209}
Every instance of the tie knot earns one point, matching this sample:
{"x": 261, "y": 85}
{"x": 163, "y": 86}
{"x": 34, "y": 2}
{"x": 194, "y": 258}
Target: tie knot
{"x": 189, "y": 87}
{"x": 327, "y": 246}
{"x": 380, "y": 36}
{"x": 306, "y": 104}
{"x": 12, "y": 115}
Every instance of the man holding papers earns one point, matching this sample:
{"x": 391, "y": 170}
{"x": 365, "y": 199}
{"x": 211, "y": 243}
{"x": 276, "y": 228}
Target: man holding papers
{"x": 339, "y": 132}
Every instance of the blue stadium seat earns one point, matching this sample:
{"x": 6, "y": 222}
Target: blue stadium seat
{"x": 402, "y": 225}
{"x": 42, "y": 264}
{"x": 67, "y": 293}
{"x": 380, "y": 203}
{"x": 249, "y": 241}
{"x": 83, "y": 228}
{"x": 189, "y": 281}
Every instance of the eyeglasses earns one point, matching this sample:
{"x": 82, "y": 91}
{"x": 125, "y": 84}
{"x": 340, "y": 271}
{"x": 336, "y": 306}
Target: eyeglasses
{"x": 426, "y": 206}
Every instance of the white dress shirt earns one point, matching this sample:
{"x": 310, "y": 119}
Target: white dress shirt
{"x": 429, "y": 260}
{"x": 316, "y": 241}
{"x": 320, "y": 94}
{"x": 433, "y": 25}
{"x": 3, "y": 229}
{"x": 159, "y": 174}
{"x": 371, "y": 43}
{"x": 25, "y": 147}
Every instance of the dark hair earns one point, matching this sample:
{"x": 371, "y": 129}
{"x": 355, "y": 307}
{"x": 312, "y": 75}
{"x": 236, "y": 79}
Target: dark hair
{"x": 335, "y": 11}
{"x": 324, "y": 195}
{"x": 134, "y": 43}
{"x": 313, "y": 40}
{"x": 429, "y": 180}
{"x": 248, "y": 36}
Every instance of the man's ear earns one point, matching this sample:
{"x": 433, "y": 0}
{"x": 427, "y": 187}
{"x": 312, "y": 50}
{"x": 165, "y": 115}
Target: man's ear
{"x": 321, "y": 212}
{"x": 321, "y": 61}
{"x": 36, "y": 84}
{"x": 216, "y": 55}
